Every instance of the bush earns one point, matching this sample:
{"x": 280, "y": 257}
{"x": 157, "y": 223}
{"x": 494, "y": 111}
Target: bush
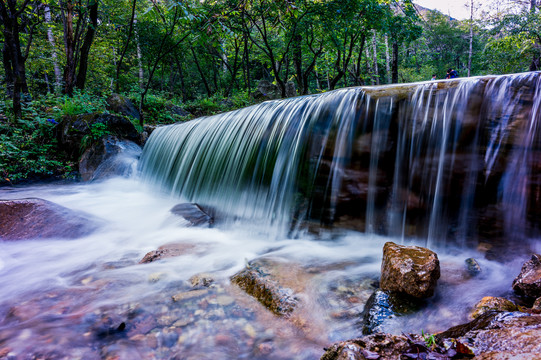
{"x": 28, "y": 150}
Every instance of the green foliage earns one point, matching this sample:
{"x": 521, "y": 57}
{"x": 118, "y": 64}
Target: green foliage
{"x": 430, "y": 340}
{"x": 29, "y": 151}
{"x": 82, "y": 103}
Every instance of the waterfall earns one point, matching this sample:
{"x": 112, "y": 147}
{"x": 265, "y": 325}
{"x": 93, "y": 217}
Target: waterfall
{"x": 455, "y": 160}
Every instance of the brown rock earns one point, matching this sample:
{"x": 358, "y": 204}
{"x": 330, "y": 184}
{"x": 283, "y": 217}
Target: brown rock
{"x": 257, "y": 281}
{"x": 515, "y": 335}
{"x": 167, "y": 251}
{"x": 377, "y": 346}
{"x": 537, "y": 305}
{"x": 411, "y": 270}
{"x": 528, "y": 282}
{"x": 41, "y": 219}
{"x": 489, "y": 303}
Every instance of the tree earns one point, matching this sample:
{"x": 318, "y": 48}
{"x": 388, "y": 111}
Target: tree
{"x": 17, "y": 17}
{"x": 77, "y": 46}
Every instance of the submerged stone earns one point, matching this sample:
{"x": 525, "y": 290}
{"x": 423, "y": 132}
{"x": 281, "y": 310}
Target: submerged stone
{"x": 528, "y": 282}
{"x": 411, "y": 270}
{"x": 41, "y": 219}
{"x": 168, "y": 251}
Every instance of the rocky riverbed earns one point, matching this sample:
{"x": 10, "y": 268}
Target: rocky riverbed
{"x": 217, "y": 290}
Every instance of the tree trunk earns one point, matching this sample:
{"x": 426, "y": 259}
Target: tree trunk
{"x": 387, "y": 59}
{"x": 203, "y": 78}
{"x": 69, "y": 44}
{"x": 130, "y": 31}
{"x": 535, "y": 64}
{"x": 470, "y": 53}
{"x": 8, "y": 70}
{"x": 87, "y": 43}
{"x": 12, "y": 54}
{"x": 394, "y": 79}
{"x": 139, "y": 57}
{"x": 52, "y": 42}
{"x": 375, "y": 59}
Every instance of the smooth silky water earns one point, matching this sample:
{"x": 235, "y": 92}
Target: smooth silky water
{"x": 282, "y": 179}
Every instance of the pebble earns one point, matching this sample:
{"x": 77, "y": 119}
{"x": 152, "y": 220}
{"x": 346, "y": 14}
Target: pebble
{"x": 188, "y": 295}
{"x": 249, "y": 330}
{"x": 224, "y": 300}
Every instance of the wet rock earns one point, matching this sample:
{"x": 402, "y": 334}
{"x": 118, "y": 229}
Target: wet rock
{"x": 490, "y": 303}
{"x": 536, "y": 307}
{"x": 411, "y": 270}
{"x": 188, "y": 295}
{"x": 193, "y": 214}
{"x": 256, "y": 280}
{"x": 382, "y": 307}
{"x": 505, "y": 334}
{"x": 472, "y": 266}
{"x": 378, "y": 346}
{"x": 266, "y": 91}
{"x": 108, "y": 157}
{"x": 168, "y": 251}
{"x": 122, "y": 105}
{"x": 34, "y": 218}
{"x": 291, "y": 91}
{"x": 201, "y": 280}
{"x": 528, "y": 282}
{"x": 76, "y": 132}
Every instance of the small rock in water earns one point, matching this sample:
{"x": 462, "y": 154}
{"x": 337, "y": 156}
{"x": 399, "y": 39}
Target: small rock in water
{"x": 201, "y": 280}
{"x": 528, "y": 282}
{"x": 167, "y": 251}
{"x": 489, "y": 303}
{"x": 188, "y": 295}
{"x": 537, "y": 305}
{"x": 473, "y": 266}
{"x": 193, "y": 214}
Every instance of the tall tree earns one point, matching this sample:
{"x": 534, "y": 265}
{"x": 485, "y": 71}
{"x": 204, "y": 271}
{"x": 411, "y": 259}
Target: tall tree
{"x": 470, "y": 52}
{"x": 77, "y": 46}
{"x": 15, "y": 17}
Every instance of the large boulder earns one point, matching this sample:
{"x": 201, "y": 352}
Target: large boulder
{"x": 109, "y": 156}
{"x": 122, "y": 105}
{"x": 411, "y": 270}
{"x": 498, "y": 335}
{"x": 377, "y": 346}
{"x": 493, "y": 335}
{"x": 528, "y": 282}
{"x": 41, "y": 219}
{"x": 76, "y": 133}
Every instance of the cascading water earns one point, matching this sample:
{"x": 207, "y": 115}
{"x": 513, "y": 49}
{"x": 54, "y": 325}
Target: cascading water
{"x": 251, "y": 163}
{"x": 436, "y": 161}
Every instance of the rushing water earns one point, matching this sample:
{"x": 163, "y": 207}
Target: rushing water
{"x": 450, "y": 165}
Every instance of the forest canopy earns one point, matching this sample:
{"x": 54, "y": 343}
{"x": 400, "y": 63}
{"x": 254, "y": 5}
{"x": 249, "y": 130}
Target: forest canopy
{"x": 193, "y": 49}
